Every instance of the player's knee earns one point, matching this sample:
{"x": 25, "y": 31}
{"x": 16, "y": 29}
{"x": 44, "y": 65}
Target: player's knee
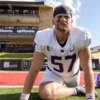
{"x": 47, "y": 94}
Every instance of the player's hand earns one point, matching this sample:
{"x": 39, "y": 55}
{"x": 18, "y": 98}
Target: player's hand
{"x": 22, "y": 99}
{"x": 24, "y": 96}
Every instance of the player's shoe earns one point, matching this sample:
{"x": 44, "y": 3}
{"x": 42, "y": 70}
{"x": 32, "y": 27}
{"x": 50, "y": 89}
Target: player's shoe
{"x": 81, "y": 91}
{"x": 96, "y": 95}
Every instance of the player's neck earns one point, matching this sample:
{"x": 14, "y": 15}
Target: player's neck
{"x": 61, "y": 36}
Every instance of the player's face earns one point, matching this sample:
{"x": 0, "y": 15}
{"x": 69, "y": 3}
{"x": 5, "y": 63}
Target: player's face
{"x": 62, "y": 22}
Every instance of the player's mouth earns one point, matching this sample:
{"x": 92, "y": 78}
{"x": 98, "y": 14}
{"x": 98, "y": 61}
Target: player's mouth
{"x": 64, "y": 25}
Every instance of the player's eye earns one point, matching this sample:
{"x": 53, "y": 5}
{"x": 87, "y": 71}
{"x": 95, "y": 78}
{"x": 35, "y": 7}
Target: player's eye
{"x": 66, "y": 17}
{"x": 59, "y": 17}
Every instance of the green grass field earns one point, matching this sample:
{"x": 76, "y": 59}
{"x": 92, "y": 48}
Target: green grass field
{"x": 14, "y": 94}
{"x": 18, "y": 56}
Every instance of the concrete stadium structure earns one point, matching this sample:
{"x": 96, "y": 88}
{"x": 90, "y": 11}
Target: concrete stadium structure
{"x": 19, "y": 22}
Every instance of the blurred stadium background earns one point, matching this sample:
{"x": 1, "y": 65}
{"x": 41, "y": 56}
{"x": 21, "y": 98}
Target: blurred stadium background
{"x": 19, "y": 22}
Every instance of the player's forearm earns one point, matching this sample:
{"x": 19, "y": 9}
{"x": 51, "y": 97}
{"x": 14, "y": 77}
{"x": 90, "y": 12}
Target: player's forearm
{"x": 89, "y": 81}
{"x": 27, "y": 87}
{"x": 31, "y": 76}
{"x": 28, "y": 84}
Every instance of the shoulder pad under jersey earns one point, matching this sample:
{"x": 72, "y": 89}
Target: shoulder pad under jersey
{"x": 82, "y": 38}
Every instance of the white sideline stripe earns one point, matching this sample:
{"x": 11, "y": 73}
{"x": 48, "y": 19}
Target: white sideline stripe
{"x": 3, "y": 86}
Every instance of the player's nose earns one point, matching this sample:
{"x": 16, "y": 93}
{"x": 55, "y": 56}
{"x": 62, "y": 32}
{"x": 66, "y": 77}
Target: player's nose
{"x": 63, "y": 19}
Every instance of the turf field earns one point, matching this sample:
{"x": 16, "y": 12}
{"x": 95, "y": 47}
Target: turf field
{"x": 14, "y": 94}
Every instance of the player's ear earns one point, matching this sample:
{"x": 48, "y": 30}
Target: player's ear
{"x": 72, "y": 21}
{"x": 53, "y": 21}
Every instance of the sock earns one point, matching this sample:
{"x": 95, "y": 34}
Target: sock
{"x": 75, "y": 91}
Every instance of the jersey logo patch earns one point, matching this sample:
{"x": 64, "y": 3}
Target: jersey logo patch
{"x": 48, "y": 48}
{"x": 90, "y": 41}
{"x": 34, "y": 45}
{"x": 71, "y": 50}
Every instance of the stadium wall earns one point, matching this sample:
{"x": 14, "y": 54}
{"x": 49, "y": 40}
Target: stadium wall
{"x": 44, "y": 21}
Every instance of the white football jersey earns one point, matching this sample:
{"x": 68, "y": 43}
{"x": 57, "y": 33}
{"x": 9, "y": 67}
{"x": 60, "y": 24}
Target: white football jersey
{"x": 63, "y": 61}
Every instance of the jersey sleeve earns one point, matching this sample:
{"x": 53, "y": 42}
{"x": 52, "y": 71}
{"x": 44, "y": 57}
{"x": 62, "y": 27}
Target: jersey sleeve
{"x": 83, "y": 40}
{"x": 38, "y": 45}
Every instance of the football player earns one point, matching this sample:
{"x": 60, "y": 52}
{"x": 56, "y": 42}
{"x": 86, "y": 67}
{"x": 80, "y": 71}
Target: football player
{"x": 65, "y": 46}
